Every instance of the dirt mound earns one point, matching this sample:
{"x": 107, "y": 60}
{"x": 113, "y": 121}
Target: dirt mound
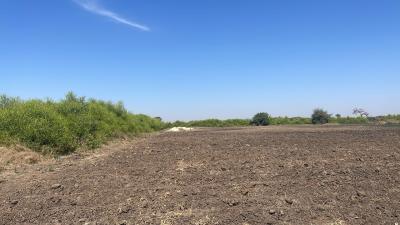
{"x": 326, "y": 175}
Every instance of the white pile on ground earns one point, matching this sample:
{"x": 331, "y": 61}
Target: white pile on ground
{"x": 179, "y": 129}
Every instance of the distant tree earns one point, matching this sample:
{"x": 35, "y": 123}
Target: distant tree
{"x": 158, "y": 118}
{"x": 361, "y": 112}
{"x": 261, "y": 119}
{"x": 338, "y": 115}
{"x": 320, "y": 116}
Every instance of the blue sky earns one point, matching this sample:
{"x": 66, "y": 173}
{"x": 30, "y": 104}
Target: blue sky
{"x": 182, "y": 59}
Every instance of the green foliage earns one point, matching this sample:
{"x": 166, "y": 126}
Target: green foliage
{"x": 6, "y": 101}
{"x": 320, "y": 116}
{"x": 206, "y": 123}
{"x": 387, "y": 119}
{"x": 277, "y": 121}
{"x": 211, "y": 123}
{"x": 349, "y": 120}
{"x": 239, "y": 122}
{"x": 61, "y": 127}
{"x": 5, "y": 139}
{"x": 36, "y": 124}
{"x": 236, "y": 122}
{"x": 261, "y": 119}
{"x": 290, "y": 120}
{"x": 390, "y": 117}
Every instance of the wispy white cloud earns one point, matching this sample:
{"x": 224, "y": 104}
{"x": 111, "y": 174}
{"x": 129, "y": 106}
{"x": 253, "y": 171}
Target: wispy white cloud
{"x": 93, "y": 7}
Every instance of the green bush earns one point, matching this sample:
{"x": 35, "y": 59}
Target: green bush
{"x": 37, "y": 124}
{"x": 261, "y": 119}
{"x": 320, "y": 116}
{"x": 61, "y": 127}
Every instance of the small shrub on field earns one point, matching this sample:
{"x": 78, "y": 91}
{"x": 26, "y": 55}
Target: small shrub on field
{"x": 61, "y": 127}
{"x": 320, "y": 116}
{"x": 261, "y": 119}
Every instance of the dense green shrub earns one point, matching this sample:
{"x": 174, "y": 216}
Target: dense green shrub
{"x": 6, "y": 101}
{"x": 261, "y": 119}
{"x": 5, "y": 139}
{"x": 320, "y": 116}
{"x": 61, "y": 127}
{"x": 37, "y": 124}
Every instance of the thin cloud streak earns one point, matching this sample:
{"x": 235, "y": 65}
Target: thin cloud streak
{"x": 93, "y": 7}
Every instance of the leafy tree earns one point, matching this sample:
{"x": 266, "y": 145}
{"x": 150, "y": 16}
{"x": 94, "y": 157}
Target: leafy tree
{"x": 320, "y": 116}
{"x": 261, "y": 119}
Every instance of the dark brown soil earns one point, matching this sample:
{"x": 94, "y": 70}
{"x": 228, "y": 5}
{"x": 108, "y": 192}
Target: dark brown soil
{"x": 276, "y": 175}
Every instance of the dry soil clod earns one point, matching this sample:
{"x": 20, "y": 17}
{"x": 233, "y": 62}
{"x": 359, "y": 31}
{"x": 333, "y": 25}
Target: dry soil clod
{"x": 56, "y": 186}
{"x": 289, "y": 201}
{"x": 14, "y": 202}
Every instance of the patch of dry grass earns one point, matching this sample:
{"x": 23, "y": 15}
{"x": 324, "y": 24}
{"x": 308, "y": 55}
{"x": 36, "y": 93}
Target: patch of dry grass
{"x": 18, "y": 155}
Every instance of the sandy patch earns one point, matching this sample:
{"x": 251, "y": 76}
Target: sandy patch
{"x": 179, "y": 129}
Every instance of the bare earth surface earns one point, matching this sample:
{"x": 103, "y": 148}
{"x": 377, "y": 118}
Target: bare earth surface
{"x": 276, "y": 175}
